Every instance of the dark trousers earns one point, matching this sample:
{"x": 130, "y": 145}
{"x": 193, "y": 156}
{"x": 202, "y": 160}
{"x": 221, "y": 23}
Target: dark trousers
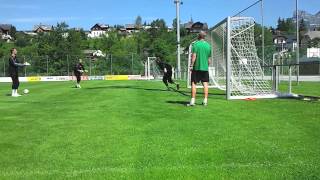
{"x": 167, "y": 78}
{"x": 78, "y": 76}
{"x": 15, "y": 81}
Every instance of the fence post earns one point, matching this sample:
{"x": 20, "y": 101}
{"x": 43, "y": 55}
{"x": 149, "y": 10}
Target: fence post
{"x": 106, "y": 71}
{"x": 90, "y": 66}
{"x": 31, "y": 64}
{"x": 290, "y": 90}
{"x": 132, "y": 64}
{"x": 47, "y": 65}
{"x": 68, "y": 65}
{"x": 4, "y": 67}
{"x": 111, "y": 64}
{"x": 25, "y": 68}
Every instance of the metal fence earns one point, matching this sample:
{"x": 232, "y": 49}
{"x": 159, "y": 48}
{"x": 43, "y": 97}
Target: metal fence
{"x": 46, "y": 66}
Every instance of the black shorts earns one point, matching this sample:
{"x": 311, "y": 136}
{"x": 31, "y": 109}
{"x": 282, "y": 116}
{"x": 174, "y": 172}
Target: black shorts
{"x": 197, "y": 76}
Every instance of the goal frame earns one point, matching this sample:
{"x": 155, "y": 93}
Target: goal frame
{"x": 227, "y": 49}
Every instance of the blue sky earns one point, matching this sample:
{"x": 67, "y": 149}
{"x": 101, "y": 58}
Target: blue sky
{"x": 24, "y": 14}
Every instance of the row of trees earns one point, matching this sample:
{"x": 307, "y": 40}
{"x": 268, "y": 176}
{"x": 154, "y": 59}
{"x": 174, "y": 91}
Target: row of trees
{"x": 63, "y": 41}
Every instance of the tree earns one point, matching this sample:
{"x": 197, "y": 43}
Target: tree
{"x": 138, "y": 22}
{"x": 302, "y": 26}
{"x": 280, "y": 25}
{"x": 108, "y": 42}
{"x": 286, "y": 26}
{"x": 73, "y": 42}
{"x": 302, "y": 30}
{"x": 290, "y": 26}
{"x": 118, "y": 26}
{"x": 12, "y": 32}
{"x": 159, "y": 23}
{"x": 22, "y": 40}
{"x": 174, "y": 23}
{"x": 269, "y": 48}
{"x": 61, "y": 27}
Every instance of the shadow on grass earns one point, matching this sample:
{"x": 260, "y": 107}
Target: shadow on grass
{"x": 139, "y": 88}
{"x": 184, "y": 93}
{"x": 304, "y": 98}
{"x": 184, "y": 103}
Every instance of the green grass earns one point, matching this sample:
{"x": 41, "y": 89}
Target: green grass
{"x": 137, "y": 130}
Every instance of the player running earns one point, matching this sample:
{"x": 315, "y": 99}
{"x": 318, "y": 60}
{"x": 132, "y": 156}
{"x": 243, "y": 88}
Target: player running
{"x": 78, "y": 71}
{"x": 167, "y": 73}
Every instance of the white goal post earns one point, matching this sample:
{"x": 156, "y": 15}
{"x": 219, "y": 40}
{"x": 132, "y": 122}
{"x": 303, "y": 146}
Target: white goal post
{"x": 152, "y": 70}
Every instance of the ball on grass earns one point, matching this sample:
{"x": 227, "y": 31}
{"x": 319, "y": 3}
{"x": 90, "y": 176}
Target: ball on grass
{"x": 26, "y": 91}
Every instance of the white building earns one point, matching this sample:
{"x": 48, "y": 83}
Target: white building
{"x": 98, "y": 30}
{"x": 313, "y": 52}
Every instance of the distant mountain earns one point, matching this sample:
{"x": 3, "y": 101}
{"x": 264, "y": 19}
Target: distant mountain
{"x": 312, "y": 21}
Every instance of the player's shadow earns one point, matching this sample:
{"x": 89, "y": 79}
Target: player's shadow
{"x": 126, "y": 87}
{"x": 184, "y": 93}
{"x": 184, "y": 103}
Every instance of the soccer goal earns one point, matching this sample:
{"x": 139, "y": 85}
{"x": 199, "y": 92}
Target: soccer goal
{"x": 235, "y": 66}
{"x": 152, "y": 71}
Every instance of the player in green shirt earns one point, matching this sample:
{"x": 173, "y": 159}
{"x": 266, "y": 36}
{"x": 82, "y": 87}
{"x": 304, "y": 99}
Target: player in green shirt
{"x": 201, "y": 53}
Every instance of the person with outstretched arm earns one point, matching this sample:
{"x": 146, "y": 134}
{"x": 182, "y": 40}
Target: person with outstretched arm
{"x": 14, "y": 71}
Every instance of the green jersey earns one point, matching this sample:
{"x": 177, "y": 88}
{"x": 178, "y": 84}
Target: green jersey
{"x": 202, "y": 49}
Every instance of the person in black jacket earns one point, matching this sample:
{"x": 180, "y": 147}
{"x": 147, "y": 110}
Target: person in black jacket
{"x": 78, "y": 71}
{"x": 167, "y": 73}
{"x": 13, "y": 71}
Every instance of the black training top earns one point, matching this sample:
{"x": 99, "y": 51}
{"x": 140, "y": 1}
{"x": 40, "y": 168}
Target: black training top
{"x": 163, "y": 65}
{"x": 78, "y": 67}
{"x": 13, "y": 66}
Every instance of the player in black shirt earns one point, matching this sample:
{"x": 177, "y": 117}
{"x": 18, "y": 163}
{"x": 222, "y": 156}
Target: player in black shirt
{"x": 13, "y": 71}
{"x": 78, "y": 71}
{"x": 167, "y": 73}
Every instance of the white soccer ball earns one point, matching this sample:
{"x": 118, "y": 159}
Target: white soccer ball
{"x": 26, "y": 91}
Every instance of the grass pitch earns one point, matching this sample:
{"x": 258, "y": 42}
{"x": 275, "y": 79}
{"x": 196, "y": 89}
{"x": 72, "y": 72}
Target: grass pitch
{"x": 138, "y": 130}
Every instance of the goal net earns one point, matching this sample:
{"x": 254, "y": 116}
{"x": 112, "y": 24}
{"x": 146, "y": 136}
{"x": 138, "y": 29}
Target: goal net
{"x": 235, "y": 65}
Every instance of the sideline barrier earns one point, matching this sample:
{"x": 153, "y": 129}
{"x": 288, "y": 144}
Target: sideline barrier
{"x": 73, "y": 78}
{"x": 116, "y": 77}
{"x": 33, "y": 78}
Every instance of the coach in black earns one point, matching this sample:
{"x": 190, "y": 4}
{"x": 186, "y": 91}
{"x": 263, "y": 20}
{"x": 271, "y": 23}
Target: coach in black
{"x": 13, "y": 71}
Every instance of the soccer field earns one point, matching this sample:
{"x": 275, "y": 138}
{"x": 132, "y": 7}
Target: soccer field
{"x": 138, "y": 130}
